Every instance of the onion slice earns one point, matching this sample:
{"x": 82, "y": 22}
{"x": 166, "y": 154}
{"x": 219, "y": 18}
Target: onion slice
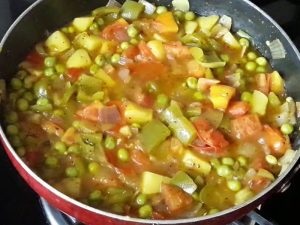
{"x": 182, "y": 5}
{"x": 277, "y": 49}
{"x": 226, "y": 21}
{"x": 149, "y": 8}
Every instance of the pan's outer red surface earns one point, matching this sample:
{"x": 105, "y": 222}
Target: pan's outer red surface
{"x": 9, "y": 57}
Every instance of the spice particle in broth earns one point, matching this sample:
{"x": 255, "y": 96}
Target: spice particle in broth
{"x": 151, "y": 113}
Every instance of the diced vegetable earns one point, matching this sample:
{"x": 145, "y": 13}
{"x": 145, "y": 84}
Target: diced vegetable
{"x": 166, "y": 23}
{"x": 190, "y": 27}
{"x": 245, "y": 126}
{"x": 276, "y": 83}
{"x": 259, "y": 103}
{"x": 207, "y": 22}
{"x": 184, "y": 181}
{"x": 102, "y": 11}
{"x": 151, "y": 182}
{"x": 102, "y": 75}
{"x": 176, "y": 199}
{"x": 149, "y": 8}
{"x": 179, "y": 125}
{"x": 157, "y": 49}
{"x": 243, "y": 196}
{"x": 231, "y": 41}
{"x": 192, "y": 161}
{"x": 220, "y": 96}
{"x": 276, "y": 142}
{"x": 83, "y": 23}
{"x": 266, "y": 174}
{"x": 57, "y": 42}
{"x": 89, "y": 42}
{"x": 153, "y": 134}
{"x": 79, "y": 59}
{"x": 197, "y": 53}
{"x": 182, "y": 5}
{"x": 136, "y": 114}
{"x": 131, "y": 10}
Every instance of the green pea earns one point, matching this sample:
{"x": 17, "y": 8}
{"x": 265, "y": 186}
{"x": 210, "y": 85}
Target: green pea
{"x": 16, "y": 83}
{"x": 141, "y": 199}
{"x": 287, "y": 128}
{"x": 161, "y": 9}
{"x": 50, "y": 61}
{"x": 251, "y": 55}
{"x": 94, "y": 27}
{"x": 94, "y": 68}
{"x": 272, "y": 160}
{"x": 192, "y": 82}
{"x": 224, "y": 171}
{"x": 71, "y": 29}
{"x": 261, "y": 61}
{"x": 11, "y": 117}
{"x": 71, "y": 171}
{"x": 242, "y": 161}
{"x": 99, "y": 60}
{"x": 250, "y": 66}
{"x": 145, "y": 211}
{"x": 94, "y": 168}
{"x": 49, "y": 71}
{"x": 132, "y": 31}
{"x": 115, "y": 58}
{"x": 244, "y": 42}
{"x": 51, "y": 161}
{"x": 161, "y": 101}
{"x": 239, "y": 71}
{"x": 125, "y": 45}
{"x": 152, "y": 87}
{"x": 228, "y": 161}
{"x": 118, "y": 208}
{"x": 189, "y": 16}
{"x": 60, "y": 68}
{"x": 28, "y": 96}
{"x": 225, "y": 57}
{"x": 16, "y": 141}
{"x": 21, "y": 151}
{"x": 74, "y": 149}
{"x": 246, "y": 96}
{"x": 123, "y": 154}
{"x": 95, "y": 196}
{"x": 234, "y": 185}
{"x": 28, "y": 82}
{"x": 198, "y": 96}
{"x": 42, "y": 101}
{"x": 261, "y": 69}
{"x": 22, "y": 104}
{"x": 12, "y": 130}
{"x": 134, "y": 41}
{"x": 100, "y": 21}
{"x": 60, "y": 147}
{"x": 179, "y": 14}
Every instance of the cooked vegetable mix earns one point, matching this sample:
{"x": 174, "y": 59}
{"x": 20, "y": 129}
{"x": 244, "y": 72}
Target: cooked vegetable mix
{"x": 151, "y": 112}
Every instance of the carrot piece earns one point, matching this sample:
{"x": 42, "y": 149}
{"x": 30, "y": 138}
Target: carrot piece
{"x": 276, "y": 142}
{"x": 245, "y": 126}
{"x": 238, "y": 108}
{"x": 131, "y": 52}
{"x": 91, "y": 112}
{"x": 176, "y": 199}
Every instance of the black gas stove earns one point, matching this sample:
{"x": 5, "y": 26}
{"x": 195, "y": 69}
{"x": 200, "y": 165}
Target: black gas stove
{"x": 19, "y": 205}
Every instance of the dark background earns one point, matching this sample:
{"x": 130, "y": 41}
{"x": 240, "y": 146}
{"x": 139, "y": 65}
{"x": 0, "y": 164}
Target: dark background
{"x": 19, "y": 205}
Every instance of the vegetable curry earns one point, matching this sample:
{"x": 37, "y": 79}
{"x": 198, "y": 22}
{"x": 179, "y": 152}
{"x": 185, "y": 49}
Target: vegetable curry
{"x": 151, "y": 112}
